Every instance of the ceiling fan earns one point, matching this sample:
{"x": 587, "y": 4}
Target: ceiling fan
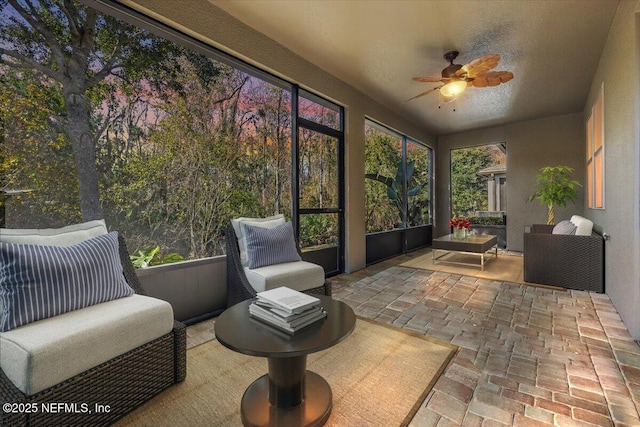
{"x": 456, "y": 78}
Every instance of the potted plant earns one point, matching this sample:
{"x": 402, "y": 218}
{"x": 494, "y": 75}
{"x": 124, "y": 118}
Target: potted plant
{"x": 554, "y": 186}
{"x": 460, "y": 226}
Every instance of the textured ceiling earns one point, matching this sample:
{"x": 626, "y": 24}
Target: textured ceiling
{"x": 552, "y": 48}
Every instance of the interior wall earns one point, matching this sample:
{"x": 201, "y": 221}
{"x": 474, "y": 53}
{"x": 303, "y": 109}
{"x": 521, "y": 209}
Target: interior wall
{"x": 619, "y": 70}
{"x": 215, "y": 27}
{"x": 531, "y": 145}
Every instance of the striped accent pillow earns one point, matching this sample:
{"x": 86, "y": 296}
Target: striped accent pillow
{"x": 37, "y": 282}
{"x": 267, "y": 246}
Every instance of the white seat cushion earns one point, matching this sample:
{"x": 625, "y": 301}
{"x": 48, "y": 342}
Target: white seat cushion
{"x": 584, "y": 226}
{"x": 299, "y": 275}
{"x": 39, "y": 355}
{"x": 65, "y": 236}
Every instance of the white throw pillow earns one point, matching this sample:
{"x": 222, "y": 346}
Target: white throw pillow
{"x": 269, "y": 222}
{"x": 564, "y": 227}
{"x": 584, "y": 226}
{"x": 65, "y": 236}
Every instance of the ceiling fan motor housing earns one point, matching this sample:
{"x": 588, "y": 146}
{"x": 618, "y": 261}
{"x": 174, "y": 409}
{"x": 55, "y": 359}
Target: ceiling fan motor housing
{"x": 450, "y": 71}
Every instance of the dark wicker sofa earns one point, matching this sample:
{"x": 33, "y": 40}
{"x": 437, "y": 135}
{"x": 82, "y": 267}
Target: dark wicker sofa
{"x": 238, "y": 286}
{"x": 569, "y": 261}
{"x": 121, "y": 384}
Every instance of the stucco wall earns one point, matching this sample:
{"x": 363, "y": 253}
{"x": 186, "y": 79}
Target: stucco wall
{"x": 219, "y": 29}
{"x": 619, "y": 70}
{"x": 531, "y": 145}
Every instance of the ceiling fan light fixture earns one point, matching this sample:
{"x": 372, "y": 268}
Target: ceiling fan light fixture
{"x": 453, "y": 88}
{"x": 447, "y": 99}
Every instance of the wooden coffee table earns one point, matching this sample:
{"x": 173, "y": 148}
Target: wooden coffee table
{"x": 288, "y": 395}
{"x": 477, "y": 244}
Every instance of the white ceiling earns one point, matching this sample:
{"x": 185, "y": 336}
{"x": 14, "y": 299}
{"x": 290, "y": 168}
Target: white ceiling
{"x": 552, "y": 48}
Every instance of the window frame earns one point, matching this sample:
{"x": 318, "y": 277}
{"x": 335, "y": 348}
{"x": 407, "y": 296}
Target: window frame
{"x": 595, "y": 154}
{"x": 407, "y": 139}
{"x": 149, "y": 23}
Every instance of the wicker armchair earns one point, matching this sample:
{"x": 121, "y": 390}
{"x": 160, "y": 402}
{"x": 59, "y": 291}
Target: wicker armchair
{"x": 574, "y": 262}
{"x": 238, "y": 286}
{"x": 122, "y": 383}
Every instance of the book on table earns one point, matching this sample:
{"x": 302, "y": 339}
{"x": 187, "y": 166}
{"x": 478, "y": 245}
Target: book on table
{"x": 287, "y": 309}
{"x": 287, "y": 299}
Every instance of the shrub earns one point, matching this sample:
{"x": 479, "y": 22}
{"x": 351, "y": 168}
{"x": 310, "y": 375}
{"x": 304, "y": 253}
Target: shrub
{"x": 486, "y": 220}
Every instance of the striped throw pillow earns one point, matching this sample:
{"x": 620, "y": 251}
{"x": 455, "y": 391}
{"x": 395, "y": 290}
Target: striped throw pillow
{"x": 37, "y": 282}
{"x": 267, "y": 246}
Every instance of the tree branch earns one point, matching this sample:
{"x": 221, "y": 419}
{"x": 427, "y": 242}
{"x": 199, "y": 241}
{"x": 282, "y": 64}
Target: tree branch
{"x": 29, "y": 63}
{"x": 33, "y": 19}
{"x": 109, "y": 66}
{"x": 71, "y": 12}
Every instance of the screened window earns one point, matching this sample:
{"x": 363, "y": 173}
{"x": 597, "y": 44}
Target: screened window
{"x": 418, "y": 173}
{"x": 398, "y": 180}
{"x": 172, "y": 138}
{"x": 318, "y": 110}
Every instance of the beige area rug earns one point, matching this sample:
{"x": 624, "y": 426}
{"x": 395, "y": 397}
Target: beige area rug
{"x": 505, "y": 268}
{"x": 379, "y": 376}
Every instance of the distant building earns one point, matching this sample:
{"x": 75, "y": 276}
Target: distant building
{"x": 496, "y": 188}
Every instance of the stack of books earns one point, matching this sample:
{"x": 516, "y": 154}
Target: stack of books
{"x": 287, "y": 309}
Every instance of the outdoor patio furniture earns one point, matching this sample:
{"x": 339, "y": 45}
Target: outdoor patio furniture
{"x": 104, "y": 393}
{"x": 476, "y": 244}
{"x": 569, "y": 261}
{"x": 239, "y": 287}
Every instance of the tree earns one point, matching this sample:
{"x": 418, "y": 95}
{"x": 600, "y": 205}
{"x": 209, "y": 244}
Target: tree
{"x": 76, "y": 49}
{"x": 396, "y": 186}
{"x": 468, "y": 190}
{"x": 383, "y": 154}
{"x": 554, "y": 186}
{"x": 34, "y": 154}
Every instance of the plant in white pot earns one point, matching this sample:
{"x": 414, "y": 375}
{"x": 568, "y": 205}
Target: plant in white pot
{"x": 554, "y": 187}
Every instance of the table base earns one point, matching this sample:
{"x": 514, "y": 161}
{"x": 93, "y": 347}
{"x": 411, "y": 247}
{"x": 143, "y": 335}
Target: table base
{"x": 435, "y": 259}
{"x": 314, "y": 410}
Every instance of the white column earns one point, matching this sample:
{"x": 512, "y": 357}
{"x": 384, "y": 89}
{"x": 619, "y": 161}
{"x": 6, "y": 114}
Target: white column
{"x": 491, "y": 193}
{"x": 497, "y": 185}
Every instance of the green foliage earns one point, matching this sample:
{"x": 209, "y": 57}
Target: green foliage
{"x": 183, "y": 143}
{"x": 554, "y": 186}
{"x": 318, "y": 230}
{"x": 395, "y": 186}
{"x": 384, "y": 194}
{"x": 468, "y": 189}
{"x": 34, "y": 153}
{"x": 486, "y": 220}
{"x": 147, "y": 257}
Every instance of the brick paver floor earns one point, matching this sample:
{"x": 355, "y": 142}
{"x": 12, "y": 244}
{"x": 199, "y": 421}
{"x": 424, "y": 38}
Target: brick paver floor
{"x": 527, "y": 356}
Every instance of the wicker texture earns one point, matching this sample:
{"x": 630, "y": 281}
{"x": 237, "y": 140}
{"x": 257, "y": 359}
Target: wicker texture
{"x": 238, "y": 286}
{"x": 123, "y": 383}
{"x": 574, "y": 262}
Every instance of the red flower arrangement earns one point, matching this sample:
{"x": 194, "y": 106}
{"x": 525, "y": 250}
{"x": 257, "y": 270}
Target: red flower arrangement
{"x": 460, "y": 223}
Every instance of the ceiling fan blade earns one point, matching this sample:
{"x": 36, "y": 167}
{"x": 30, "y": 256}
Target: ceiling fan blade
{"x": 492, "y": 78}
{"x": 479, "y": 65}
{"x": 427, "y": 79}
{"x": 424, "y": 93}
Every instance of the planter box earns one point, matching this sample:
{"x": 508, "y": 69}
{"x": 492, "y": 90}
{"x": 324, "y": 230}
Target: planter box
{"x": 195, "y": 289}
{"x": 387, "y": 244}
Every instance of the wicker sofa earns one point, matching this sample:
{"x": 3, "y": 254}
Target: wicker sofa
{"x": 569, "y": 261}
{"x": 118, "y": 385}
{"x": 238, "y": 286}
